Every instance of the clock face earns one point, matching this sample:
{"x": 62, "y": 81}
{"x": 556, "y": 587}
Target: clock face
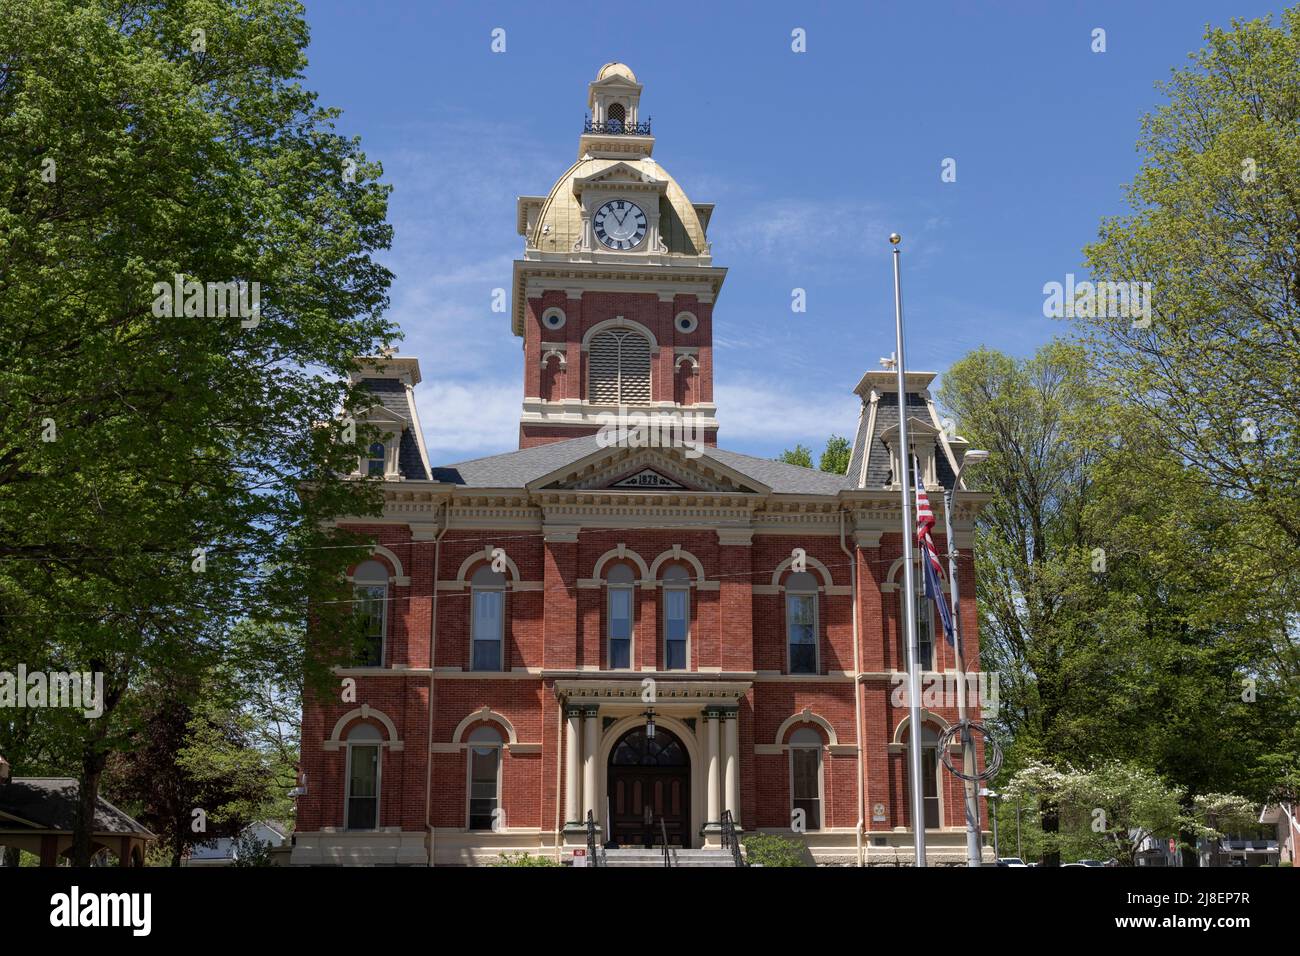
{"x": 620, "y": 224}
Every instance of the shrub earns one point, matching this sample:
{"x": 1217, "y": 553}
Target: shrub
{"x": 768, "y": 849}
{"x": 523, "y": 859}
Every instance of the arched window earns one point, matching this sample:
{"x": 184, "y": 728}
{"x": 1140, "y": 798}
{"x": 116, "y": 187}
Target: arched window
{"x": 806, "y": 775}
{"x": 924, "y": 608}
{"x": 618, "y": 370}
{"x": 801, "y": 622}
{"x": 931, "y": 787}
{"x": 616, "y": 116}
{"x": 620, "y": 584}
{"x": 487, "y": 624}
{"x": 375, "y": 460}
{"x": 677, "y": 618}
{"x": 363, "y": 778}
{"x": 370, "y": 602}
{"x": 484, "y": 778}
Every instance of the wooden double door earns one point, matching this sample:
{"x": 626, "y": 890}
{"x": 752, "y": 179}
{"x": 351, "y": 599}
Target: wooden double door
{"x": 649, "y": 780}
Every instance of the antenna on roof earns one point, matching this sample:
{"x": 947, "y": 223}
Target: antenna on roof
{"x": 889, "y": 362}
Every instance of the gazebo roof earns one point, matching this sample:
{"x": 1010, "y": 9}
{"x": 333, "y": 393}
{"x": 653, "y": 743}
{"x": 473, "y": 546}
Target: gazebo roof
{"x": 49, "y": 805}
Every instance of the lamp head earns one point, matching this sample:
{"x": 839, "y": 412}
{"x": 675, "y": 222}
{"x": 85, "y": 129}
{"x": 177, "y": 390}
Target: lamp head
{"x": 895, "y": 238}
{"x": 975, "y": 456}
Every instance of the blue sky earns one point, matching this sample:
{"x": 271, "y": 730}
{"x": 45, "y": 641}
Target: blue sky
{"x": 812, "y": 159}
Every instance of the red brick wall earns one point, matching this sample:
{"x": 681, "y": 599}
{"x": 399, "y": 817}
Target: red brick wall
{"x": 563, "y": 627}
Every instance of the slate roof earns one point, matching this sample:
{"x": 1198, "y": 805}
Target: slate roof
{"x": 878, "y": 470}
{"x": 392, "y": 394}
{"x": 50, "y": 803}
{"x": 517, "y": 468}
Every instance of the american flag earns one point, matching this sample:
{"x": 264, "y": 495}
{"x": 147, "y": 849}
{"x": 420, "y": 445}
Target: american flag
{"x": 933, "y": 569}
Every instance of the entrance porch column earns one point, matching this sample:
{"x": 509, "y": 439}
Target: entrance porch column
{"x": 731, "y": 719}
{"x": 591, "y": 740}
{"x": 711, "y": 756}
{"x": 572, "y": 764}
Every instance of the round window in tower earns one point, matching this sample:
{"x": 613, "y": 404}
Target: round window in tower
{"x": 553, "y": 318}
{"x": 686, "y": 322}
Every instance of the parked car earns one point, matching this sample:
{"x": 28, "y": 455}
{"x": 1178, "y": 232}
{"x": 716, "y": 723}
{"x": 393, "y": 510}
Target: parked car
{"x": 1010, "y": 861}
{"x": 1092, "y": 863}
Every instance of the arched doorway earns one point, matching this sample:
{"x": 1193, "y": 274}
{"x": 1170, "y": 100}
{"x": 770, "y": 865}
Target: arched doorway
{"x": 649, "y": 779}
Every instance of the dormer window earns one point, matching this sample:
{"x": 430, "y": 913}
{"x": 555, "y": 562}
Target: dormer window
{"x": 375, "y": 459}
{"x": 923, "y": 438}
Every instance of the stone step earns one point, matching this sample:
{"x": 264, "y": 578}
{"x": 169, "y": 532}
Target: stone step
{"x": 629, "y": 857}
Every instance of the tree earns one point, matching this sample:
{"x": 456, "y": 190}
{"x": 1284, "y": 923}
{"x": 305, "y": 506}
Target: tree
{"x": 1213, "y": 230}
{"x": 800, "y": 455}
{"x": 162, "y": 475}
{"x": 835, "y": 459}
{"x": 1113, "y": 808}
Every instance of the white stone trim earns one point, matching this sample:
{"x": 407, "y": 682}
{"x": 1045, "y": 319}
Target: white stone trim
{"x": 827, "y": 582}
{"x": 619, "y": 322}
{"x": 364, "y": 712}
{"x": 621, "y": 553}
{"x": 676, "y": 553}
{"x": 486, "y": 555}
{"x": 806, "y": 716}
{"x": 399, "y": 576}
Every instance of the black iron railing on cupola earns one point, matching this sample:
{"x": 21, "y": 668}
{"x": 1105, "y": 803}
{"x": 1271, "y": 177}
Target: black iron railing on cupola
{"x": 616, "y": 127}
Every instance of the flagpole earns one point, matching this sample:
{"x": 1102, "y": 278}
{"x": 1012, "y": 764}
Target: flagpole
{"x": 909, "y": 582}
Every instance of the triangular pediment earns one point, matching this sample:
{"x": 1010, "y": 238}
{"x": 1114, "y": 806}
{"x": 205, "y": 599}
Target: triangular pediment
{"x": 668, "y": 470}
{"x": 383, "y": 415}
{"x": 618, "y": 174}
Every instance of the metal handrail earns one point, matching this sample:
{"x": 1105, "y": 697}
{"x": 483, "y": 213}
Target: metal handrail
{"x": 593, "y": 859}
{"x": 617, "y": 128}
{"x": 729, "y": 839}
{"x": 663, "y": 829}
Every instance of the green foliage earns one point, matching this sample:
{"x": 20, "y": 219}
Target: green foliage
{"x": 1213, "y": 229}
{"x": 1112, "y": 808}
{"x": 127, "y": 157}
{"x": 800, "y": 455}
{"x": 769, "y": 849}
{"x": 835, "y": 459}
{"x": 250, "y": 851}
{"x": 523, "y": 858}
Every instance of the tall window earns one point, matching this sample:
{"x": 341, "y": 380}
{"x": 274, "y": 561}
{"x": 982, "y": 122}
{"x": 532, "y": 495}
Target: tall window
{"x": 487, "y": 626}
{"x": 375, "y": 460}
{"x": 930, "y": 776}
{"x": 618, "y": 368}
{"x": 806, "y": 775}
{"x": 370, "y": 602}
{"x": 620, "y": 585}
{"x": 616, "y": 115}
{"x": 677, "y": 617}
{"x": 484, "y": 777}
{"x": 801, "y": 622}
{"x": 363, "y": 778}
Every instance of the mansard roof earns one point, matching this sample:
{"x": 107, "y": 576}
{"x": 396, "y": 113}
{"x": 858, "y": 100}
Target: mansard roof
{"x": 393, "y": 396}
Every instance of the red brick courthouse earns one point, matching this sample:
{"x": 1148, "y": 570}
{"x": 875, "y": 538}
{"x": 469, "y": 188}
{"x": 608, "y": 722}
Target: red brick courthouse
{"x": 532, "y": 611}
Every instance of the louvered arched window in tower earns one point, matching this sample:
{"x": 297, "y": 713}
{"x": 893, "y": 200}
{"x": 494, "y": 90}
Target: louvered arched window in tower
{"x": 619, "y": 368}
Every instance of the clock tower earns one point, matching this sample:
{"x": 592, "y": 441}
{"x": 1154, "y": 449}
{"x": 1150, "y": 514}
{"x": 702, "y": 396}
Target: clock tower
{"x": 613, "y": 296}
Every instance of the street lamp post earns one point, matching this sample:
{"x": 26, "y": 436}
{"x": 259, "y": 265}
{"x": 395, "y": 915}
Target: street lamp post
{"x": 909, "y": 581}
{"x": 988, "y": 794}
{"x": 974, "y": 853}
